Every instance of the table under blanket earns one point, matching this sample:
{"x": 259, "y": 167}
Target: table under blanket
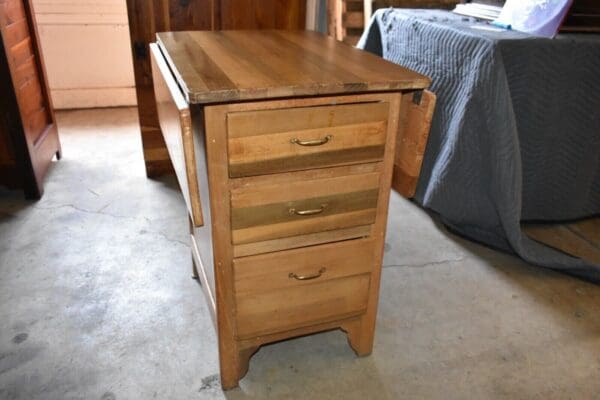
{"x": 516, "y": 132}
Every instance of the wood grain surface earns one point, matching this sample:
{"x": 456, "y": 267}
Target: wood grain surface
{"x": 580, "y": 239}
{"x": 148, "y": 17}
{"x": 298, "y": 306}
{"x": 213, "y": 67}
{"x": 415, "y": 123}
{"x": 269, "y": 272}
{"x": 265, "y": 212}
{"x": 269, "y": 141}
{"x": 26, "y": 106}
{"x": 176, "y": 126}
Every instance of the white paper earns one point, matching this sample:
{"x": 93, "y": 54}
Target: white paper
{"x": 539, "y": 17}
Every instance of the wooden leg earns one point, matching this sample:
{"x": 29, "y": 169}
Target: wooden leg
{"x": 360, "y": 337}
{"x": 235, "y": 368}
{"x": 245, "y": 356}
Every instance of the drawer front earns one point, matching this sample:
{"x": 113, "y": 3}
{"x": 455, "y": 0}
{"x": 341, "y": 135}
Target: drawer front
{"x": 271, "y": 141}
{"x": 286, "y": 290}
{"x": 266, "y": 212}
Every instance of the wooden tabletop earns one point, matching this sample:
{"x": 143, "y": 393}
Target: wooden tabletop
{"x": 214, "y": 67}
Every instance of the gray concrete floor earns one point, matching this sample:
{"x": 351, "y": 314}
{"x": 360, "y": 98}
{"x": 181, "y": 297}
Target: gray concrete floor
{"x": 97, "y": 302}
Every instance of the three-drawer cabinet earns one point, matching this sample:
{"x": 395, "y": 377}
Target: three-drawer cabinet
{"x": 283, "y": 145}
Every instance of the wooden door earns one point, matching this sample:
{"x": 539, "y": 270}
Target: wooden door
{"x": 29, "y": 117}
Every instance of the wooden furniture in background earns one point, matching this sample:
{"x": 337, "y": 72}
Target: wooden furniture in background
{"x": 584, "y": 16}
{"x": 347, "y": 19}
{"x": 28, "y": 132}
{"x": 87, "y": 52}
{"x": 580, "y": 239}
{"x": 283, "y": 143}
{"x": 148, "y": 17}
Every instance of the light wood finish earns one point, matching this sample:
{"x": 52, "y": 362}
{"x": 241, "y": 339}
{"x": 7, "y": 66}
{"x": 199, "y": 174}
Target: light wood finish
{"x": 348, "y": 18}
{"x": 292, "y": 242}
{"x": 270, "y": 272}
{"x": 297, "y": 247}
{"x": 580, "y": 239}
{"x": 299, "y": 306}
{"x": 300, "y": 63}
{"x": 221, "y": 187}
{"x": 176, "y": 126}
{"x": 266, "y": 213}
{"x": 415, "y": 123}
{"x": 29, "y": 136}
{"x": 148, "y": 17}
{"x": 271, "y": 141}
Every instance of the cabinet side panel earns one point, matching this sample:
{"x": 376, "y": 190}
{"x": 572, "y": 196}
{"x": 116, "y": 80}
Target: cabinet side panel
{"x": 203, "y": 235}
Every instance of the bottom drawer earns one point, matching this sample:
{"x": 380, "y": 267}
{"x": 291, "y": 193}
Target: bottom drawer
{"x": 286, "y": 290}
{"x": 295, "y": 307}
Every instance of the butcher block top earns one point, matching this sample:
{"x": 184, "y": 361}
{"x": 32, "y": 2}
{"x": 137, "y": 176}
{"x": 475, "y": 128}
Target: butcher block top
{"x": 215, "y": 67}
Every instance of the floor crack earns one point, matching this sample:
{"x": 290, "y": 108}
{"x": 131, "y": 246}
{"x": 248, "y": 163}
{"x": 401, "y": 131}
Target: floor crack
{"x": 99, "y": 212}
{"x": 427, "y": 264}
{"x": 171, "y": 239}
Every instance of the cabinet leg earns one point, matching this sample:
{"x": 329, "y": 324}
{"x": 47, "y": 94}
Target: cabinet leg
{"x": 234, "y": 370}
{"x": 360, "y": 337}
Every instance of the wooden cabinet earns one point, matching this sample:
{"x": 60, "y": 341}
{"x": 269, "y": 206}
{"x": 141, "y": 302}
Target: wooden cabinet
{"x": 283, "y": 143}
{"x": 28, "y": 132}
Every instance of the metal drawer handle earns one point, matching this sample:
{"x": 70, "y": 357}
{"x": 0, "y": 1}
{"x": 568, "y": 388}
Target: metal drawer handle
{"x": 308, "y": 212}
{"x": 315, "y": 142}
{"x": 307, "y": 277}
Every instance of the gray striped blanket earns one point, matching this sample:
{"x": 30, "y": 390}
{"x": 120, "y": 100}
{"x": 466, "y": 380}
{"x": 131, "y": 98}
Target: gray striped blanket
{"x": 516, "y": 132}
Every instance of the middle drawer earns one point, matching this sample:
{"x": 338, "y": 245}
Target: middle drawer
{"x": 267, "y": 212}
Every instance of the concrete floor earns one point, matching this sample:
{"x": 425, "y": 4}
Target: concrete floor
{"x": 97, "y": 302}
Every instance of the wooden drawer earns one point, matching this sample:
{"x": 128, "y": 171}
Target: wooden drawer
{"x": 271, "y": 141}
{"x": 271, "y": 295}
{"x": 303, "y": 206}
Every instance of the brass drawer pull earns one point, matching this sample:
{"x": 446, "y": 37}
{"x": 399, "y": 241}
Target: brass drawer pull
{"x": 307, "y": 277}
{"x": 308, "y": 212}
{"x": 315, "y": 142}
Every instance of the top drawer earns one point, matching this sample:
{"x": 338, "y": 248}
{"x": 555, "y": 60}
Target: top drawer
{"x": 291, "y": 139}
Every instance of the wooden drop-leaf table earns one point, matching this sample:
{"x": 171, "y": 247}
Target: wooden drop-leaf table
{"x": 283, "y": 143}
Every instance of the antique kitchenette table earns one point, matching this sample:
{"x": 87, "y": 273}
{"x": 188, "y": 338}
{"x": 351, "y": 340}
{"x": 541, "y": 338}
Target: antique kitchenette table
{"x": 283, "y": 144}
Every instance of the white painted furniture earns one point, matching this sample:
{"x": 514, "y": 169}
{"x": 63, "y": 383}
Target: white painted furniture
{"x": 87, "y": 52}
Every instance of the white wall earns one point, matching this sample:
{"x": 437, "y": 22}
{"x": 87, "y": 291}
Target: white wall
{"x": 87, "y": 52}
